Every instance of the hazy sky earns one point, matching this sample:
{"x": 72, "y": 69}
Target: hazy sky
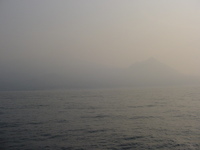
{"x": 106, "y": 32}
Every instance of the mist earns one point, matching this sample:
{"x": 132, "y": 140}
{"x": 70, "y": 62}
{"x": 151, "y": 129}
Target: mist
{"x": 88, "y": 44}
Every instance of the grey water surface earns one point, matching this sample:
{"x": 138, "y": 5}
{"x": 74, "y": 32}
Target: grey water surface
{"x": 101, "y": 119}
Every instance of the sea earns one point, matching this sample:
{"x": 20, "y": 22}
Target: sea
{"x": 156, "y": 118}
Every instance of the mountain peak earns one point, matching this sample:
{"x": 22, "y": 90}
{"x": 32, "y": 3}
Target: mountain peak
{"x": 149, "y": 62}
{"x": 152, "y": 60}
{"x": 152, "y": 67}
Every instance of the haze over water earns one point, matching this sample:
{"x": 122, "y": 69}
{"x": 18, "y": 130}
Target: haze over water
{"x": 47, "y": 43}
{"x": 106, "y": 74}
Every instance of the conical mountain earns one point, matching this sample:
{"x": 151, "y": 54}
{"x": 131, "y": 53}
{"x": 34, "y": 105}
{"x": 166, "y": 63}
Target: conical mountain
{"x": 153, "y": 67}
{"x": 153, "y": 72}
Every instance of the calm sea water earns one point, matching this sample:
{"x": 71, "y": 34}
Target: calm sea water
{"x": 117, "y": 119}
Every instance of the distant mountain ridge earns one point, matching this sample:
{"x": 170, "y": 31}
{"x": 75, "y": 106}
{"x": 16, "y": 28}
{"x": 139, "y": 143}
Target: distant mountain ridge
{"x": 153, "y": 67}
{"x": 154, "y": 72}
{"x": 150, "y": 72}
